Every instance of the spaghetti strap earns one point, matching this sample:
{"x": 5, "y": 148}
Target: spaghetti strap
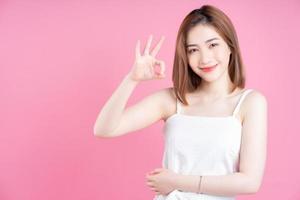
{"x": 247, "y": 91}
{"x": 178, "y": 106}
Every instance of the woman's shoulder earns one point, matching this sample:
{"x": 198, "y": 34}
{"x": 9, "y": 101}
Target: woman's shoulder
{"x": 167, "y": 99}
{"x": 255, "y": 95}
{"x": 254, "y": 98}
{"x": 167, "y": 94}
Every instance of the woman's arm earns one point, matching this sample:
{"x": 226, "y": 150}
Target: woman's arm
{"x": 252, "y": 157}
{"x": 225, "y": 185}
{"x": 114, "y": 119}
{"x": 111, "y": 113}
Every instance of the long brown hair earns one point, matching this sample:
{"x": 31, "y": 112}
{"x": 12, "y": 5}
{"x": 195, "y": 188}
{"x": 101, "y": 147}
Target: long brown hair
{"x": 184, "y": 78}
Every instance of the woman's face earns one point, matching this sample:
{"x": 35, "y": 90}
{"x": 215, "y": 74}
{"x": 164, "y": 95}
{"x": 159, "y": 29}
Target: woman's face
{"x": 206, "y": 48}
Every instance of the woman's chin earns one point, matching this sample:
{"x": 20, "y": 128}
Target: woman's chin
{"x": 209, "y": 78}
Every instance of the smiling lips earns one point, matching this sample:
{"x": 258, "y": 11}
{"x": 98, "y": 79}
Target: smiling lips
{"x": 209, "y": 68}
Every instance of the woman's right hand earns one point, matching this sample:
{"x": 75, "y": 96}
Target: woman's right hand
{"x": 144, "y": 65}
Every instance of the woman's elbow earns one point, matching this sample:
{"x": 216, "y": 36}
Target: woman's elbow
{"x": 254, "y": 187}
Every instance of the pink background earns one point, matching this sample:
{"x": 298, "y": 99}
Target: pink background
{"x": 61, "y": 60}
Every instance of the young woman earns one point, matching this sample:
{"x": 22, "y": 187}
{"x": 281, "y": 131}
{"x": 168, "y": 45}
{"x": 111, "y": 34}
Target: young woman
{"x": 215, "y": 129}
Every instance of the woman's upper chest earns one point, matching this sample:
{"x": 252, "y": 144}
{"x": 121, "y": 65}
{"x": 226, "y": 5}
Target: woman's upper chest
{"x": 198, "y": 106}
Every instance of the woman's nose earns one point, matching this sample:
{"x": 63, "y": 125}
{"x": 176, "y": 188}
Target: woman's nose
{"x": 205, "y": 58}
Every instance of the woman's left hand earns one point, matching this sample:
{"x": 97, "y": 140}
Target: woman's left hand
{"x": 161, "y": 181}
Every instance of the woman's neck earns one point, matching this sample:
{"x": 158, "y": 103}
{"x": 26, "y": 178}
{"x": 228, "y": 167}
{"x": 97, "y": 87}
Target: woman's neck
{"x": 209, "y": 94}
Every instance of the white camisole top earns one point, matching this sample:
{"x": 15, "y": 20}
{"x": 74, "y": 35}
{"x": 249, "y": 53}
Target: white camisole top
{"x": 201, "y": 145}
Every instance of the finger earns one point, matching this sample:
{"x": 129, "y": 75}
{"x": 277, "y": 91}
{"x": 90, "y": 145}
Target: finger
{"x": 150, "y": 184}
{"x": 149, "y": 178}
{"x": 161, "y": 75}
{"x": 146, "y": 51}
{"x": 154, "y": 171}
{"x": 152, "y": 68}
{"x": 154, "y": 189}
{"x": 137, "y": 49}
{"x": 162, "y": 70}
{"x": 150, "y": 181}
{"x": 157, "y": 169}
{"x": 157, "y": 47}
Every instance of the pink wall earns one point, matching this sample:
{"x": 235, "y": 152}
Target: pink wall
{"x": 61, "y": 60}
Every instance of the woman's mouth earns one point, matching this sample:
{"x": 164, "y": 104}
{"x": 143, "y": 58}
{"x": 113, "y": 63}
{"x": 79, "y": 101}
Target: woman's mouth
{"x": 209, "y": 69}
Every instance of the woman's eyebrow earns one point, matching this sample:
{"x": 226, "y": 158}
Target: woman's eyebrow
{"x": 189, "y": 45}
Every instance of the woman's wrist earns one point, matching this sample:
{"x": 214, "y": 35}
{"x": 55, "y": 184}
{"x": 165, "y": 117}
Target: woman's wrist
{"x": 175, "y": 181}
{"x": 129, "y": 79}
{"x": 188, "y": 183}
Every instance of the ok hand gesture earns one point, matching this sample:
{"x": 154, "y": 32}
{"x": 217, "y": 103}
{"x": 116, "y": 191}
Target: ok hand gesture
{"x": 144, "y": 65}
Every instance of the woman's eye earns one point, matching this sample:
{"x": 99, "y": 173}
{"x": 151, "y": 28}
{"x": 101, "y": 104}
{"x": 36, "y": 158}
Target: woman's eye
{"x": 192, "y": 50}
{"x": 214, "y": 44}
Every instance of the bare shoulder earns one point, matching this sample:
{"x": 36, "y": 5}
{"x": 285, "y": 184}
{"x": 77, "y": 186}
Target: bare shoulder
{"x": 254, "y": 101}
{"x": 256, "y": 97}
{"x": 167, "y": 100}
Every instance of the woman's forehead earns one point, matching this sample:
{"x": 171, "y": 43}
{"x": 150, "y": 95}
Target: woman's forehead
{"x": 202, "y": 34}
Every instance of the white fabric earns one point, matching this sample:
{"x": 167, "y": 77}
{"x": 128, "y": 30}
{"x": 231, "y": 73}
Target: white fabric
{"x": 201, "y": 145}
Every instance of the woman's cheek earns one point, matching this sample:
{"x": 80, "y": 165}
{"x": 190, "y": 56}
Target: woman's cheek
{"x": 223, "y": 56}
{"x": 192, "y": 61}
